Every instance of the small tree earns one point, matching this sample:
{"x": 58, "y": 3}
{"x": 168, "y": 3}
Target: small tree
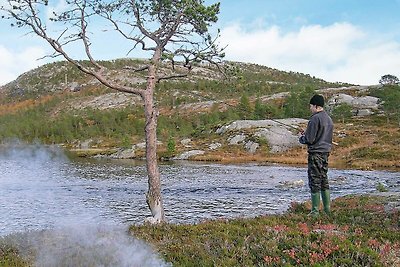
{"x": 297, "y": 103}
{"x": 389, "y": 79}
{"x": 173, "y": 30}
{"x": 342, "y": 112}
{"x": 244, "y": 108}
{"x": 259, "y": 110}
{"x": 390, "y": 101}
{"x": 171, "y": 146}
{"x": 265, "y": 111}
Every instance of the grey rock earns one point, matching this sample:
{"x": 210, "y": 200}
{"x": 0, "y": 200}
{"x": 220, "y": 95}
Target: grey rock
{"x": 368, "y": 102}
{"x": 279, "y": 139}
{"x": 237, "y": 139}
{"x": 248, "y": 124}
{"x": 361, "y": 106}
{"x": 363, "y": 102}
{"x": 74, "y": 87}
{"x": 281, "y": 134}
{"x": 364, "y": 112}
{"x": 108, "y": 101}
{"x": 340, "y": 99}
{"x": 214, "y": 146}
{"x": 274, "y": 96}
{"x": 291, "y": 184}
{"x": 251, "y": 147}
{"x": 143, "y": 145}
{"x": 186, "y": 142}
{"x": 86, "y": 144}
{"x": 206, "y": 105}
{"x": 124, "y": 154}
{"x": 188, "y": 154}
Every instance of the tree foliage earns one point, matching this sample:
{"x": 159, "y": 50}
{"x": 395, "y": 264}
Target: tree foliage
{"x": 265, "y": 111}
{"x": 390, "y": 100}
{"x": 389, "y": 79}
{"x": 244, "y": 108}
{"x": 342, "y": 112}
{"x": 297, "y": 103}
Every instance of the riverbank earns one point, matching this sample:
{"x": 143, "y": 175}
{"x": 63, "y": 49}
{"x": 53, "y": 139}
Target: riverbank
{"x": 363, "y": 230}
{"x": 360, "y": 144}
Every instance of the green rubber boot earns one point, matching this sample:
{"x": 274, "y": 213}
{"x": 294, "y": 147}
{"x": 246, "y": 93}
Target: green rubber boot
{"x": 315, "y": 202}
{"x": 326, "y": 200}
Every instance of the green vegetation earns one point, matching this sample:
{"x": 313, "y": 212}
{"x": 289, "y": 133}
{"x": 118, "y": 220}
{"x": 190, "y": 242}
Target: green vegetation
{"x": 192, "y": 108}
{"x": 362, "y": 231}
{"x": 381, "y": 188}
{"x": 37, "y": 124}
{"x": 35, "y": 108}
{"x": 297, "y": 103}
{"x": 244, "y": 109}
{"x": 9, "y": 257}
{"x": 171, "y": 146}
{"x": 359, "y": 233}
{"x": 342, "y": 113}
{"x": 389, "y": 79}
{"x": 390, "y": 96}
{"x": 119, "y": 126}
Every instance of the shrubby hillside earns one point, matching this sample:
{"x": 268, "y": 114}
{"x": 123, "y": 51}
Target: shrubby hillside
{"x": 57, "y": 104}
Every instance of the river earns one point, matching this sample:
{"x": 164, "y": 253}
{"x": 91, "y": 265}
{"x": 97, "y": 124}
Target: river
{"x": 41, "y": 188}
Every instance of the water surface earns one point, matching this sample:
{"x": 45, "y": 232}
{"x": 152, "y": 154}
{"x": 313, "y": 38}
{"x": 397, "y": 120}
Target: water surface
{"x": 41, "y": 188}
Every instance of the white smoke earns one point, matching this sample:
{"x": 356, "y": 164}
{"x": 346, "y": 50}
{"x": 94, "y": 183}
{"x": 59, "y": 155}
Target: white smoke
{"x": 36, "y": 152}
{"x": 81, "y": 246}
{"x": 74, "y": 239}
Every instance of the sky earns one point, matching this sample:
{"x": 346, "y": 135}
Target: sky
{"x": 350, "y": 41}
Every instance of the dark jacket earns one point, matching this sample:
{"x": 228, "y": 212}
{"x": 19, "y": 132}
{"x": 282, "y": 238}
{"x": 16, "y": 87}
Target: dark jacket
{"x": 318, "y": 135}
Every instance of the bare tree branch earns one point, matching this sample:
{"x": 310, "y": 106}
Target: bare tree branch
{"x": 136, "y": 69}
{"x": 176, "y": 76}
{"x": 85, "y": 39}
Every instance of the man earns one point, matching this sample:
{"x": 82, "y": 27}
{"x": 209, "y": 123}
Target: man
{"x": 318, "y": 138}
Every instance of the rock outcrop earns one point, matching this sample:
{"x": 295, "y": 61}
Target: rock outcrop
{"x": 361, "y": 106}
{"x": 280, "y": 135}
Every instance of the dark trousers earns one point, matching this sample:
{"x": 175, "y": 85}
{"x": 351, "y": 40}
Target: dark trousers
{"x": 318, "y": 172}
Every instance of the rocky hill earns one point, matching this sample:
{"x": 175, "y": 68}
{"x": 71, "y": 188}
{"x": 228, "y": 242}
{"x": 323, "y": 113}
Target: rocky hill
{"x": 62, "y": 76}
{"x": 203, "y": 116}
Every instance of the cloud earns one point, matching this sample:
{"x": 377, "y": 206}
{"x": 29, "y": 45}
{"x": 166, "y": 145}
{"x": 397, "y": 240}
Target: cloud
{"x": 339, "y": 52}
{"x": 13, "y": 63}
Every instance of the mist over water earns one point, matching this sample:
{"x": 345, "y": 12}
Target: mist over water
{"x": 43, "y": 191}
{"x": 56, "y": 216}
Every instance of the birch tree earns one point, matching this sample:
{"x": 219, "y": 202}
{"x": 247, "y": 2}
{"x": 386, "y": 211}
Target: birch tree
{"x": 177, "y": 31}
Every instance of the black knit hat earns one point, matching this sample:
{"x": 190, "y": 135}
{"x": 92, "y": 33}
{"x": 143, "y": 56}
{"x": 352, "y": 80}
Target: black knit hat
{"x": 317, "y": 100}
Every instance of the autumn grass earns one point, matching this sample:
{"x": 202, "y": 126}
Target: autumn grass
{"x": 359, "y": 233}
{"x": 11, "y": 108}
{"x": 362, "y": 231}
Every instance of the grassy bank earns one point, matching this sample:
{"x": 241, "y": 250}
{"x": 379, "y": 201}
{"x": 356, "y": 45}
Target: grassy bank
{"x": 362, "y": 231}
{"x": 359, "y": 233}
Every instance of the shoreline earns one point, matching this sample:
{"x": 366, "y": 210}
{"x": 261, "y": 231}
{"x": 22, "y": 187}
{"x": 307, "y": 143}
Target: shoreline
{"x": 294, "y": 160}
